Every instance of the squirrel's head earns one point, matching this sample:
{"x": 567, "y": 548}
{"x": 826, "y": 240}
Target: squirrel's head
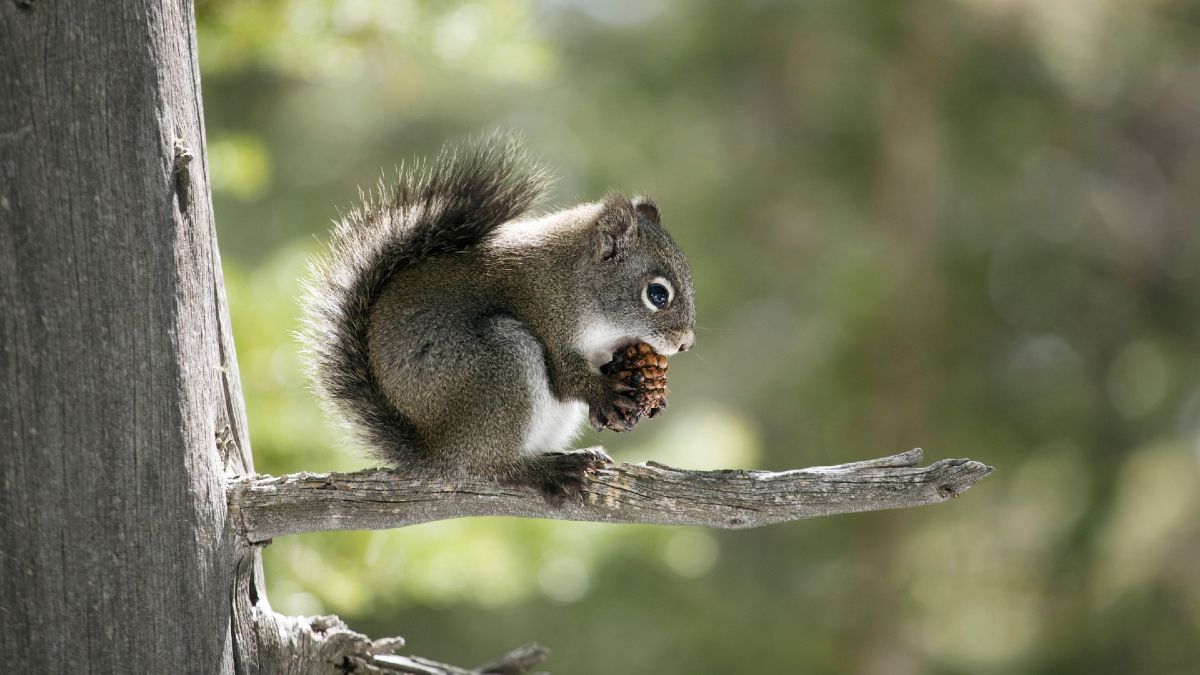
{"x": 644, "y": 289}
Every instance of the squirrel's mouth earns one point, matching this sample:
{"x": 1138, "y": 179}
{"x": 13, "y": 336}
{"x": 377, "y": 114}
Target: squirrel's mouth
{"x": 610, "y": 349}
{"x": 624, "y": 343}
{"x": 660, "y": 345}
{"x": 600, "y": 340}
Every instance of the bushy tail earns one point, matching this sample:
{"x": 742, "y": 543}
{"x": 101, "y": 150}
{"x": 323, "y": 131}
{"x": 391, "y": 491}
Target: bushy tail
{"x": 448, "y": 206}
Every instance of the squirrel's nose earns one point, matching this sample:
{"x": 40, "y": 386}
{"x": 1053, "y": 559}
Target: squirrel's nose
{"x": 688, "y": 342}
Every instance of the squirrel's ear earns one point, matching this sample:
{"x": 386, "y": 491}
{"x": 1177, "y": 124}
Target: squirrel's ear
{"x": 615, "y": 231}
{"x": 646, "y": 208}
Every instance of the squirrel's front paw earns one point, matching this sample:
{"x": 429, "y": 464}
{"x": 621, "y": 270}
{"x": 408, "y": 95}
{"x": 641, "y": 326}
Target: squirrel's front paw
{"x": 616, "y": 409}
{"x": 637, "y": 387}
{"x": 562, "y": 474}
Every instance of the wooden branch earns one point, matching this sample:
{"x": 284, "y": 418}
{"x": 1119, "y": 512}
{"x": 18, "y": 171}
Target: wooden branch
{"x": 268, "y": 643}
{"x": 318, "y": 644}
{"x": 652, "y": 493}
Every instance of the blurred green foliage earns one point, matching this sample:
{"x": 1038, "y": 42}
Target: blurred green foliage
{"x": 969, "y": 225}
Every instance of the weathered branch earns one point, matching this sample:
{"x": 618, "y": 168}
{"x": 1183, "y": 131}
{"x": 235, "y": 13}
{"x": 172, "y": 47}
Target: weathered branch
{"x": 300, "y": 645}
{"x": 270, "y": 506}
{"x": 268, "y": 642}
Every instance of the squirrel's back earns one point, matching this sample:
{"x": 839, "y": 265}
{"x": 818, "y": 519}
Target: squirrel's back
{"x": 449, "y": 206}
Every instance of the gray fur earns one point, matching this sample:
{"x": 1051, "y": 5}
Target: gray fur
{"x": 450, "y": 328}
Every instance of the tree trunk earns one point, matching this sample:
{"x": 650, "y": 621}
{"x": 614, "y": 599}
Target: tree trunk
{"x": 117, "y": 370}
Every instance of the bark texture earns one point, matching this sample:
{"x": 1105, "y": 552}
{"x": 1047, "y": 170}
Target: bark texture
{"x": 116, "y": 555}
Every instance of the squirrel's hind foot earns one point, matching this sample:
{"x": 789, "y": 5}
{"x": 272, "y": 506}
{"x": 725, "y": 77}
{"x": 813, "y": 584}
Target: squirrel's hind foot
{"x": 560, "y": 476}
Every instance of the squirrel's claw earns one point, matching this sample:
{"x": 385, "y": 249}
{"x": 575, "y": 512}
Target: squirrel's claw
{"x": 562, "y": 475}
{"x": 618, "y": 412}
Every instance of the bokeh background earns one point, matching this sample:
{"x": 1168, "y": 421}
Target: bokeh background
{"x": 971, "y": 226}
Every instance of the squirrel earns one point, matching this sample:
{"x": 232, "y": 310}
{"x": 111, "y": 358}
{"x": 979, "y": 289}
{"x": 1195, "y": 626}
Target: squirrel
{"x": 461, "y": 336}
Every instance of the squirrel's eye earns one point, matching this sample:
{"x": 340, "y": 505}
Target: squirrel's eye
{"x": 657, "y": 294}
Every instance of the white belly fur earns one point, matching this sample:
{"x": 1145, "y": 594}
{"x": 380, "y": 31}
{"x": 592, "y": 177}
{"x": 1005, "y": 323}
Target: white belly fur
{"x": 552, "y": 423}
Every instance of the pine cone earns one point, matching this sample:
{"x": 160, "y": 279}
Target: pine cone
{"x": 646, "y": 371}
